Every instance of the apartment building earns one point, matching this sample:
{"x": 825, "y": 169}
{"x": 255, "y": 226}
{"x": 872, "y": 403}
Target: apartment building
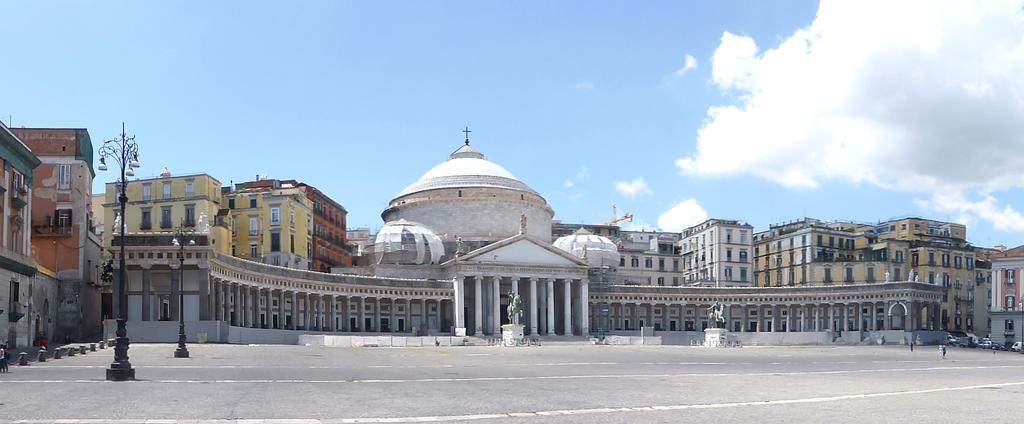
{"x": 717, "y": 253}
{"x": 272, "y": 222}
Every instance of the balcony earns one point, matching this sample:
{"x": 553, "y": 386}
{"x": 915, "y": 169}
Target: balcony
{"x": 52, "y": 230}
{"x": 145, "y": 226}
{"x": 165, "y": 224}
{"x": 18, "y": 200}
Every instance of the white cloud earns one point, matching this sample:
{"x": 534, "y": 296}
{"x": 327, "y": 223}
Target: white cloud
{"x": 575, "y": 196}
{"x": 633, "y": 188}
{"x": 928, "y": 101}
{"x": 1004, "y": 218}
{"x": 583, "y": 173}
{"x": 682, "y": 215}
{"x": 584, "y": 86}
{"x": 689, "y": 64}
{"x": 569, "y": 184}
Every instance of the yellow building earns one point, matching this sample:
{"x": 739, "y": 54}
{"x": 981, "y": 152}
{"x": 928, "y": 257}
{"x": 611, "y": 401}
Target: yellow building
{"x": 161, "y": 204}
{"x": 940, "y": 254}
{"x": 814, "y": 252}
{"x": 273, "y": 222}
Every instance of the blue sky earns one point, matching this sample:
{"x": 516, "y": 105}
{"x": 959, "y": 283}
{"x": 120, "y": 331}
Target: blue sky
{"x": 360, "y": 99}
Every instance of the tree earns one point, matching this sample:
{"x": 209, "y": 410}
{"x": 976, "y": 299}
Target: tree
{"x": 107, "y": 271}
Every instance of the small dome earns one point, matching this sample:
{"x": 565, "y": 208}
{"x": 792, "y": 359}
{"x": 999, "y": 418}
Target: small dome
{"x": 407, "y": 243}
{"x": 598, "y": 251}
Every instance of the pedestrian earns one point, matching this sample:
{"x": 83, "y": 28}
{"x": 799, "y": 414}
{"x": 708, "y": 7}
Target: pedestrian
{"x": 942, "y": 350}
{"x": 911, "y": 345}
{"x": 3, "y": 358}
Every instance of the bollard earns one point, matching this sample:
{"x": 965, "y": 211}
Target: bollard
{"x": 81, "y": 349}
{"x": 71, "y": 352}
{"x": 23, "y": 359}
{"x": 103, "y": 344}
{"x": 42, "y": 355}
{"x": 56, "y": 353}
{"x": 92, "y": 347}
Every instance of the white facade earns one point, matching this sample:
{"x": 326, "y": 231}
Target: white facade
{"x": 718, "y": 253}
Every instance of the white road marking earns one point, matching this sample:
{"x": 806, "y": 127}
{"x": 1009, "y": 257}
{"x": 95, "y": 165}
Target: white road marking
{"x": 537, "y": 377}
{"x": 535, "y": 414}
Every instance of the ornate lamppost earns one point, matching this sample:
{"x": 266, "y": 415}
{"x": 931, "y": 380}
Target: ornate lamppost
{"x": 125, "y": 153}
{"x": 180, "y": 234}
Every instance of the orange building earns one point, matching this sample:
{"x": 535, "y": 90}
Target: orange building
{"x": 63, "y": 239}
{"x": 330, "y": 247}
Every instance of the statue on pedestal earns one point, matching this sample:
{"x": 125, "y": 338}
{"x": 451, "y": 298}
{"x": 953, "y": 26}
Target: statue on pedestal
{"x": 886, "y": 276}
{"x": 522, "y": 224}
{"x": 515, "y": 307}
{"x": 716, "y": 319}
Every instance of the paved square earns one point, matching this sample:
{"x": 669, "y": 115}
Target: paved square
{"x": 570, "y": 383}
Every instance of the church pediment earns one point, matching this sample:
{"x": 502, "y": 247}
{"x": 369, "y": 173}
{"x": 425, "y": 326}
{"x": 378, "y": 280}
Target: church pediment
{"x": 519, "y": 250}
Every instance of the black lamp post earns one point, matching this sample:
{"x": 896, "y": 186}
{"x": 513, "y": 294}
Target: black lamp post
{"x": 125, "y": 152}
{"x": 179, "y": 240}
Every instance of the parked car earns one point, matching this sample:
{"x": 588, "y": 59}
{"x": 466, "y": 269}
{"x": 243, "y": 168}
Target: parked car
{"x": 997, "y": 346}
{"x": 1016, "y": 347}
{"x": 986, "y": 344}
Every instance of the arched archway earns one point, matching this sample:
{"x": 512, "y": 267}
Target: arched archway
{"x": 897, "y": 316}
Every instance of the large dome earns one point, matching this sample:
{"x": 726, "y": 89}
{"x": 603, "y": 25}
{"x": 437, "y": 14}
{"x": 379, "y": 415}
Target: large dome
{"x": 597, "y": 251}
{"x": 466, "y": 168}
{"x": 472, "y": 198}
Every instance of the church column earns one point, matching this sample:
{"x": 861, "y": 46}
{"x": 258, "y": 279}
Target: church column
{"x": 533, "y": 306}
{"x": 874, "y": 316}
{"x": 585, "y": 308}
{"x": 330, "y": 325}
{"x": 225, "y": 300}
{"x": 496, "y": 305}
{"x": 460, "y": 301}
{"x": 789, "y": 318}
{"x": 846, "y": 317}
{"x": 567, "y": 317}
{"x": 832, "y": 318}
{"x": 392, "y": 322}
{"x": 817, "y": 317}
{"x": 280, "y": 310}
{"x": 478, "y": 302}
{"x": 550, "y": 325}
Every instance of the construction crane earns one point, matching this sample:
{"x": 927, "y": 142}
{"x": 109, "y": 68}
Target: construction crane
{"x": 616, "y": 219}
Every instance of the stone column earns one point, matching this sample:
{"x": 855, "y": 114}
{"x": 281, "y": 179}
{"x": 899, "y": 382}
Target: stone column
{"x": 789, "y": 318}
{"x": 361, "y": 314}
{"x": 832, "y": 318}
{"x": 567, "y": 313}
{"x": 241, "y": 303}
{"x": 225, "y": 302}
{"x": 295, "y": 310}
{"x": 846, "y": 317}
{"x": 391, "y": 321}
{"x": 175, "y": 290}
{"x": 496, "y": 305}
{"x": 280, "y": 309}
{"x": 408, "y": 311}
{"x": 478, "y": 303}
{"x": 585, "y": 308}
{"x": 460, "y": 302}
{"x": 817, "y": 317}
{"x": 205, "y": 313}
{"x": 551, "y": 307}
{"x": 376, "y": 314}
{"x": 332, "y": 313}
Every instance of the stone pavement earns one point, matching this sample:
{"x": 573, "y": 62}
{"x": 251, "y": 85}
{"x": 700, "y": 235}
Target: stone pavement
{"x": 593, "y": 384}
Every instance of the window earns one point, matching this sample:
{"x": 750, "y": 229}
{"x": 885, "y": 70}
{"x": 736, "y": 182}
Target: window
{"x": 292, "y": 216}
{"x": 275, "y": 215}
{"x": 931, "y": 258}
{"x": 147, "y": 220}
{"x": 190, "y": 188}
{"x": 728, "y": 236}
{"x": 648, "y": 263}
{"x": 634, "y": 262}
{"x": 147, "y": 192}
{"x": 231, "y": 203}
{"x": 254, "y": 225}
{"x": 819, "y": 240}
{"x": 1007, "y": 325}
{"x": 15, "y": 294}
{"x": 275, "y": 242}
{"x": 165, "y": 217}
{"x": 743, "y": 275}
{"x": 661, "y": 264}
{"x": 661, "y": 281}
{"x": 190, "y": 215}
{"x": 252, "y": 202}
{"x": 64, "y": 176}
{"x": 743, "y": 255}
{"x": 622, "y": 262}
{"x": 728, "y": 255}
{"x": 253, "y": 250}
{"x": 945, "y": 259}
{"x": 849, "y": 274}
{"x": 675, "y": 265}
{"x": 728, "y": 273}
{"x": 1010, "y": 302}
{"x": 828, "y": 275}
{"x": 931, "y": 278}
{"x": 167, "y": 190}
{"x": 871, "y": 274}
{"x": 292, "y": 244}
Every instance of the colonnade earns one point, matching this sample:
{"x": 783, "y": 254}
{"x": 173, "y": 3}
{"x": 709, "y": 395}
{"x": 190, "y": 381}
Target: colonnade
{"x": 551, "y": 306}
{"x": 740, "y": 317}
{"x": 252, "y": 306}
